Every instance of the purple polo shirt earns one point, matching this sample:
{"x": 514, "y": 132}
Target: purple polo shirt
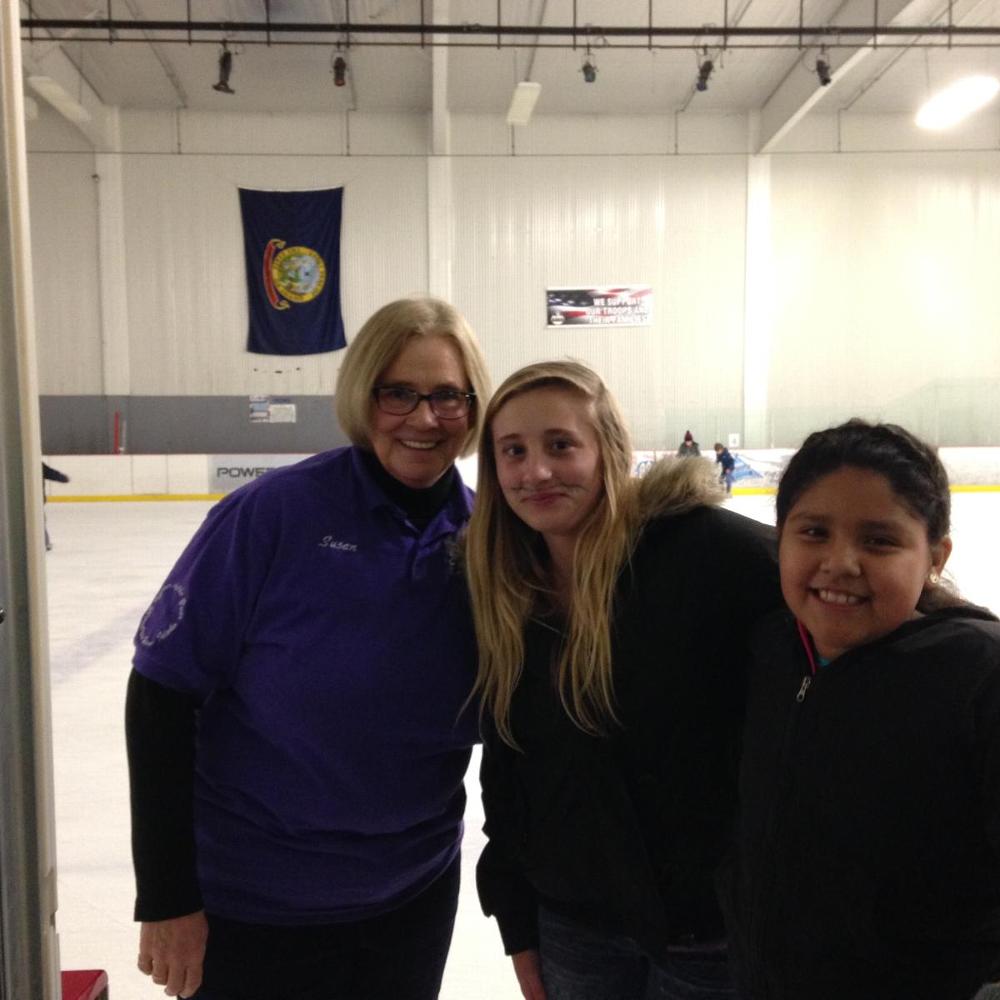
{"x": 332, "y": 647}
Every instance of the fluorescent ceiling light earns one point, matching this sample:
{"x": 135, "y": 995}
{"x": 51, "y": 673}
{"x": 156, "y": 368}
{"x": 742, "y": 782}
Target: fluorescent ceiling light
{"x": 949, "y": 106}
{"x": 522, "y": 103}
{"x": 59, "y": 97}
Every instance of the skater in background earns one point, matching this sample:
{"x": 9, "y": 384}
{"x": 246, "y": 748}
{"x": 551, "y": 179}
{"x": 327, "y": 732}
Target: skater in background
{"x": 51, "y": 475}
{"x": 869, "y": 841}
{"x": 611, "y": 658}
{"x": 297, "y": 718}
{"x": 728, "y": 463}
{"x": 689, "y": 447}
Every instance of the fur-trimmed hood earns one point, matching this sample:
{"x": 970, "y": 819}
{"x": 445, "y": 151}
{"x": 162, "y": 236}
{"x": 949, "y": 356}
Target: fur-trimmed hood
{"x": 675, "y": 486}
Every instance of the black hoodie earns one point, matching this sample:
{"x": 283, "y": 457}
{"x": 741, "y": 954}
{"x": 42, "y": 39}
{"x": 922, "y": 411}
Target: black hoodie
{"x": 868, "y": 856}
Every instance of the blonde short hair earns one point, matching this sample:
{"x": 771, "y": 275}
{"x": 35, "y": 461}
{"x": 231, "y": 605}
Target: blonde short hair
{"x": 377, "y": 345}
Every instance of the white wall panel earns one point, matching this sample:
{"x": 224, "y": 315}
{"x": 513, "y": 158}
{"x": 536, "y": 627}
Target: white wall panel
{"x": 864, "y": 133}
{"x": 707, "y": 133}
{"x": 815, "y": 133}
{"x": 265, "y": 134}
{"x": 674, "y": 223}
{"x": 65, "y": 272}
{"x": 856, "y": 132}
{"x": 149, "y": 131}
{"x": 389, "y": 134}
{"x": 589, "y": 135}
{"x": 185, "y": 268}
{"x": 50, "y": 132}
{"x": 887, "y": 299}
{"x": 480, "y": 135}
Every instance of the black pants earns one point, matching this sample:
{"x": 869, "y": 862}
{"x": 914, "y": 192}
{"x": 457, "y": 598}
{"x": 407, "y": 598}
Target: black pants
{"x": 399, "y": 955}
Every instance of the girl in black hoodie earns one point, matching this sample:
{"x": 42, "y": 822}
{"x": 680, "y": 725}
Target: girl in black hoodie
{"x": 868, "y": 862}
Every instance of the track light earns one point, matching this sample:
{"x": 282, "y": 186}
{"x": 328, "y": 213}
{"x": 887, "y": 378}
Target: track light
{"x": 589, "y": 71}
{"x": 225, "y": 68}
{"x": 704, "y": 72}
{"x": 823, "y": 71}
{"x": 339, "y": 71}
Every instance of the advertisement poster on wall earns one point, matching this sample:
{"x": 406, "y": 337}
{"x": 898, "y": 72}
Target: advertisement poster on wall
{"x": 271, "y": 410}
{"x": 613, "y": 305}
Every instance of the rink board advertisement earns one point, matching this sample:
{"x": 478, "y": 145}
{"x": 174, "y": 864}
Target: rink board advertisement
{"x": 757, "y": 468}
{"x": 613, "y": 305}
{"x": 228, "y": 472}
{"x": 760, "y": 467}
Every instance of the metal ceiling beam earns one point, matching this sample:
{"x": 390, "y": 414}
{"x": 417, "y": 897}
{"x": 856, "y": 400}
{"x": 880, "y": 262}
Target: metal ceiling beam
{"x": 800, "y": 90}
{"x": 833, "y": 35}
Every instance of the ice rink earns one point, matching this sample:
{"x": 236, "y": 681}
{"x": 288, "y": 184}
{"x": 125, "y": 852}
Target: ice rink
{"x": 107, "y": 563}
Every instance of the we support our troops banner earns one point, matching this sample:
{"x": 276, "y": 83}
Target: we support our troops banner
{"x": 292, "y": 245}
{"x": 617, "y": 305}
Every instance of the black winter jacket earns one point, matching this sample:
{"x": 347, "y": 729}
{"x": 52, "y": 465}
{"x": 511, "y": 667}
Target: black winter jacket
{"x": 624, "y": 832}
{"x": 869, "y": 838}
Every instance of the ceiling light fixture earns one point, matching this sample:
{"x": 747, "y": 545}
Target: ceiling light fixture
{"x": 957, "y": 101}
{"x": 522, "y": 102}
{"x": 225, "y": 68}
{"x": 823, "y": 71}
{"x": 704, "y": 73}
{"x": 339, "y": 71}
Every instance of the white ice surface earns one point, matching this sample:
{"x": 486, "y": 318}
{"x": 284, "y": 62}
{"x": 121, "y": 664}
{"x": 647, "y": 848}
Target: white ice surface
{"x": 108, "y": 561}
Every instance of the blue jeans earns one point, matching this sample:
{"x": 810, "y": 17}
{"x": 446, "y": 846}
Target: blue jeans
{"x": 579, "y": 963}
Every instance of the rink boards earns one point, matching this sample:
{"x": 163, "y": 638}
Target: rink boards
{"x": 205, "y": 477}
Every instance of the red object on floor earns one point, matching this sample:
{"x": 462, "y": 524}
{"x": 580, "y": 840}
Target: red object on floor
{"x": 85, "y": 984}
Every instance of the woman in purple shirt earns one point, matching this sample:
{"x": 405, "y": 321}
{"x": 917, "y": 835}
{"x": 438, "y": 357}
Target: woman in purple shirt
{"x": 296, "y": 733}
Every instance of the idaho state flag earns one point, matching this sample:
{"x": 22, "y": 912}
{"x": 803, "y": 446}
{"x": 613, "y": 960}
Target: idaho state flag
{"x": 292, "y": 244}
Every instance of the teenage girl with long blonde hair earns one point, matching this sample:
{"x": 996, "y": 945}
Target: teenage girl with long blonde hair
{"x": 611, "y": 615}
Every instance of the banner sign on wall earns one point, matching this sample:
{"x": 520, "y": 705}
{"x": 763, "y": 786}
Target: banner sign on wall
{"x": 291, "y": 241}
{"x": 618, "y": 305}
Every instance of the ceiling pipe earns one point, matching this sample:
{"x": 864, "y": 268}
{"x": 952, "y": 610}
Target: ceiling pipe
{"x": 832, "y": 36}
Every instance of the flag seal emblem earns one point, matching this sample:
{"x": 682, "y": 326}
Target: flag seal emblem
{"x": 295, "y": 274}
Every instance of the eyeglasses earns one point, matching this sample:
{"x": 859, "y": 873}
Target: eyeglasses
{"x": 448, "y": 404}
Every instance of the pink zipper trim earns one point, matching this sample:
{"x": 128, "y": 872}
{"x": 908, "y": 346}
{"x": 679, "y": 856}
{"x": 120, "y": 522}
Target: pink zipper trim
{"x": 807, "y": 645}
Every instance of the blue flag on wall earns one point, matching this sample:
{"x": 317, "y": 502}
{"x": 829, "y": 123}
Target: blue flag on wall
{"x": 292, "y": 244}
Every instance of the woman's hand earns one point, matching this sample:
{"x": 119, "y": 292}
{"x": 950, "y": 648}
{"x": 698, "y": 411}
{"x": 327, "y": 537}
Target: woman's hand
{"x": 172, "y": 952}
{"x": 528, "y": 969}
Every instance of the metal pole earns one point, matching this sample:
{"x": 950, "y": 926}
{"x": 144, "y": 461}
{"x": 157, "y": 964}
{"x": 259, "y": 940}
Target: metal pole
{"x": 28, "y": 951}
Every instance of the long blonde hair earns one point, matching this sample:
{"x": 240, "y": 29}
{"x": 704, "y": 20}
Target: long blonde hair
{"x": 508, "y": 568}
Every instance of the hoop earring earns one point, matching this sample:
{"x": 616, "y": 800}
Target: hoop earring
{"x": 933, "y": 578}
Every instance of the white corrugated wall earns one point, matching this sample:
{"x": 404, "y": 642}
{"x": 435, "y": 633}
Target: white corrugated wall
{"x": 881, "y": 299}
